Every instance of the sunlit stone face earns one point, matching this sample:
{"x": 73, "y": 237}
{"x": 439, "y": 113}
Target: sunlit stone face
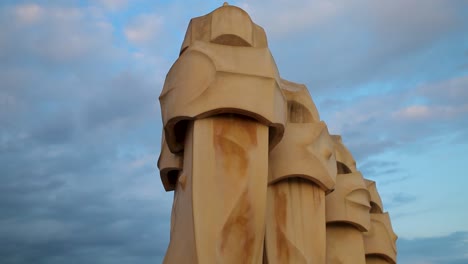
{"x": 375, "y": 200}
{"x": 343, "y": 156}
{"x": 224, "y": 67}
{"x": 349, "y": 202}
{"x": 169, "y": 165}
{"x": 227, "y": 25}
{"x": 381, "y": 240}
{"x": 306, "y": 149}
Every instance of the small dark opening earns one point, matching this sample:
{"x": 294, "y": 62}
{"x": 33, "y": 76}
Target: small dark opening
{"x": 172, "y": 177}
{"x": 298, "y": 113}
{"x": 375, "y": 208}
{"x": 342, "y": 168}
{"x": 231, "y": 40}
{"x": 180, "y": 129}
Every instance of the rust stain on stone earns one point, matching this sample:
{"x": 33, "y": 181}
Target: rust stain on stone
{"x": 233, "y": 139}
{"x": 251, "y": 129}
{"x": 239, "y": 229}
{"x": 280, "y": 202}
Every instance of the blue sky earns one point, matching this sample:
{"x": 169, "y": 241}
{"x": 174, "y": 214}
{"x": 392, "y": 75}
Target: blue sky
{"x": 81, "y": 126}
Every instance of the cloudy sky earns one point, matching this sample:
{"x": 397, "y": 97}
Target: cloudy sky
{"x": 80, "y": 120}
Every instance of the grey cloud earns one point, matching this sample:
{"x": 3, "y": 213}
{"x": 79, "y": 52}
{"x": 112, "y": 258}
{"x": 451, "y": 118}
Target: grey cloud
{"x": 399, "y": 199}
{"x": 453, "y": 91}
{"x": 364, "y": 148}
{"x": 57, "y": 129}
{"x": 50, "y": 213}
{"x": 73, "y": 132}
{"x": 375, "y": 168}
{"x": 418, "y": 22}
{"x": 363, "y": 41}
{"x": 374, "y": 124}
{"x": 61, "y": 34}
{"x": 449, "y": 249}
{"x": 125, "y": 97}
{"x": 395, "y": 179}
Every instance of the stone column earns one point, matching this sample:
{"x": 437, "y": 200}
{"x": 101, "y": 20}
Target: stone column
{"x": 222, "y": 110}
{"x": 347, "y": 210}
{"x": 302, "y": 169}
{"x": 380, "y": 241}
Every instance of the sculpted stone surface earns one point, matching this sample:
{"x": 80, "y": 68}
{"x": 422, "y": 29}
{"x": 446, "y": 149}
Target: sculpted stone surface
{"x": 306, "y": 150}
{"x": 257, "y": 177}
{"x": 222, "y": 106}
{"x": 209, "y": 79}
{"x": 345, "y": 244}
{"x": 375, "y": 200}
{"x": 301, "y": 168}
{"x": 220, "y": 197}
{"x": 170, "y": 166}
{"x": 346, "y": 162}
{"x": 347, "y": 211}
{"x": 349, "y": 202}
{"x": 228, "y": 25}
{"x": 182, "y": 225}
{"x": 373, "y": 259}
{"x": 295, "y": 222}
{"x": 301, "y": 107}
{"x": 230, "y": 189}
{"x": 380, "y": 241}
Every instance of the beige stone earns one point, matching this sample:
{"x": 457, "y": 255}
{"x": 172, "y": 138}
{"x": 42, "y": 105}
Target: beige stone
{"x": 307, "y": 149}
{"x": 295, "y": 222}
{"x": 347, "y": 211}
{"x": 374, "y": 259}
{"x": 209, "y": 79}
{"x": 345, "y": 244}
{"x": 302, "y": 168}
{"x": 349, "y": 202}
{"x": 170, "y": 166}
{"x": 346, "y": 162}
{"x": 182, "y": 224}
{"x": 222, "y": 106}
{"x": 253, "y": 167}
{"x": 375, "y": 201}
{"x": 227, "y": 25}
{"x": 301, "y": 107}
{"x": 221, "y": 198}
{"x": 380, "y": 241}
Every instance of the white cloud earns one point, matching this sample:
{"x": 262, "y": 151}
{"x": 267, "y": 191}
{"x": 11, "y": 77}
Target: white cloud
{"x": 29, "y": 13}
{"x": 411, "y": 18}
{"x": 65, "y": 14}
{"x": 144, "y": 28}
{"x": 374, "y": 124}
{"x": 333, "y": 44}
{"x": 114, "y": 5}
{"x": 414, "y": 112}
{"x": 423, "y": 112}
{"x": 446, "y": 99}
{"x": 452, "y": 91}
{"x": 283, "y": 17}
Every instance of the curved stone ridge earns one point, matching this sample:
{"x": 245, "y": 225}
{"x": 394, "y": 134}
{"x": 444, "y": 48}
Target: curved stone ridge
{"x": 349, "y": 202}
